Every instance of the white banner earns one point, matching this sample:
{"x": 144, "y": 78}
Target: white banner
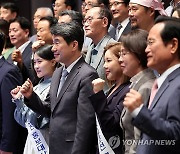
{"x": 38, "y": 141}
{"x": 103, "y": 145}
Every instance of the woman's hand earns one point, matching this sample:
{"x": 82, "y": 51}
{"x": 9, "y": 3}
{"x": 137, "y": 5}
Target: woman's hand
{"x": 98, "y": 85}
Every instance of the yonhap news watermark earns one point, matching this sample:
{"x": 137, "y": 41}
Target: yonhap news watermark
{"x": 149, "y": 142}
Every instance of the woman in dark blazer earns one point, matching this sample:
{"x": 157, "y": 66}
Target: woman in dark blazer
{"x": 109, "y": 107}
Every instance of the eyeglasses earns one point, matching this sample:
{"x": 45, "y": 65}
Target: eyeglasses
{"x": 90, "y": 5}
{"x": 116, "y": 3}
{"x": 90, "y": 19}
{"x": 123, "y": 53}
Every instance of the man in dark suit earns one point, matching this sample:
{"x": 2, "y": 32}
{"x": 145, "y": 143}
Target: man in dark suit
{"x": 10, "y": 141}
{"x": 120, "y": 23}
{"x": 160, "y": 122}
{"x": 72, "y": 118}
{"x": 19, "y": 30}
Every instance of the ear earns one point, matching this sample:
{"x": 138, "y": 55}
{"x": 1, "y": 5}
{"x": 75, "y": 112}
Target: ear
{"x": 68, "y": 8}
{"x": 152, "y": 12}
{"x": 53, "y": 62}
{"x": 75, "y": 45}
{"x": 14, "y": 14}
{"x": 27, "y": 32}
{"x": 105, "y": 22}
{"x": 174, "y": 45}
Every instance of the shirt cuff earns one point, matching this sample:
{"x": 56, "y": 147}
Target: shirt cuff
{"x": 136, "y": 111}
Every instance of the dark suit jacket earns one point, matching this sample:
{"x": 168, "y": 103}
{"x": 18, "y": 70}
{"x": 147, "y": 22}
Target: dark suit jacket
{"x": 27, "y": 69}
{"x": 10, "y": 131}
{"x": 108, "y": 111}
{"x": 161, "y": 123}
{"x": 112, "y": 31}
{"x": 72, "y": 121}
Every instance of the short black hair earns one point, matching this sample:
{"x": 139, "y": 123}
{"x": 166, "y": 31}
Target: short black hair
{"x": 75, "y": 16}
{"x": 171, "y": 30}
{"x": 4, "y": 27}
{"x": 70, "y": 3}
{"x": 10, "y": 6}
{"x": 2, "y": 41}
{"x": 52, "y": 20}
{"x": 70, "y": 32}
{"x": 45, "y": 52}
{"x": 23, "y": 22}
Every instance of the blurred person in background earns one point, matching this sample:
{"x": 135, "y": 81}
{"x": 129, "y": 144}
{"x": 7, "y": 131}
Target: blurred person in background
{"x": 8, "y": 11}
{"x": 9, "y": 47}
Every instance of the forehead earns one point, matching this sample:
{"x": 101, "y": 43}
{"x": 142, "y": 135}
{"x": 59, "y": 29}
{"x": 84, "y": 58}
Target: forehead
{"x": 15, "y": 24}
{"x": 3, "y": 9}
{"x": 39, "y": 12}
{"x": 111, "y": 1}
{"x": 60, "y": 1}
{"x": 43, "y": 23}
{"x": 91, "y": 1}
{"x": 135, "y": 5}
{"x": 156, "y": 30}
{"x": 64, "y": 19}
{"x": 93, "y": 11}
{"x": 57, "y": 38}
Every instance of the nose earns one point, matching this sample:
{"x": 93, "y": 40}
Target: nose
{"x": 53, "y": 48}
{"x": 105, "y": 65}
{"x": 130, "y": 13}
{"x": 147, "y": 49}
{"x": 120, "y": 59}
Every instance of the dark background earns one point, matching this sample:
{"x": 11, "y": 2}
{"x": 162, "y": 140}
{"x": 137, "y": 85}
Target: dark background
{"x": 28, "y": 7}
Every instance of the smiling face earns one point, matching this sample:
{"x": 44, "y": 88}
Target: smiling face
{"x": 112, "y": 66}
{"x": 44, "y": 68}
{"x": 130, "y": 64}
{"x": 119, "y": 10}
{"x": 18, "y": 36}
{"x": 62, "y": 51}
{"x": 139, "y": 16}
{"x": 43, "y": 31}
{"x": 159, "y": 56}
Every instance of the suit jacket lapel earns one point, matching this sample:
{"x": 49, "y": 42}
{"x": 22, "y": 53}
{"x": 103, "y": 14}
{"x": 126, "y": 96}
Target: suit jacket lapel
{"x": 69, "y": 80}
{"x": 158, "y": 94}
{"x": 27, "y": 51}
{"x": 164, "y": 86}
{"x": 99, "y": 56}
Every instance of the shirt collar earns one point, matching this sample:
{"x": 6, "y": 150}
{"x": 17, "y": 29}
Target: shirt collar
{"x": 22, "y": 47}
{"x": 163, "y": 76}
{"x": 69, "y": 68}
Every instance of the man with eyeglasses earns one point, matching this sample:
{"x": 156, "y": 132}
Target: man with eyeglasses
{"x": 120, "y": 23}
{"x": 61, "y": 5}
{"x": 94, "y": 3}
{"x": 96, "y": 24}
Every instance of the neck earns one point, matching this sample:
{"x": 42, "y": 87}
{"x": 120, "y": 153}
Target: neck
{"x": 99, "y": 37}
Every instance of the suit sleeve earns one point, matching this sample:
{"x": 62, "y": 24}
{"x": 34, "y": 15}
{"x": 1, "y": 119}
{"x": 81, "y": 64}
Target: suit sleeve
{"x": 165, "y": 122}
{"x": 86, "y": 129}
{"x": 9, "y": 125}
{"x": 39, "y": 106}
{"x": 109, "y": 120}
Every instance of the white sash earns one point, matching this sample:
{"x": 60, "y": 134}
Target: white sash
{"x": 38, "y": 141}
{"x": 103, "y": 145}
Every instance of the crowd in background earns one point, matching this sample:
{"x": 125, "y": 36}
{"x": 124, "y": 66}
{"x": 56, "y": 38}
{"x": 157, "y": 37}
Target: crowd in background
{"x": 113, "y": 67}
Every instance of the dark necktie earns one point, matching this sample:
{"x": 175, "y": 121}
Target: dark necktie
{"x": 62, "y": 80}
{"x": 119, "y": 26}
